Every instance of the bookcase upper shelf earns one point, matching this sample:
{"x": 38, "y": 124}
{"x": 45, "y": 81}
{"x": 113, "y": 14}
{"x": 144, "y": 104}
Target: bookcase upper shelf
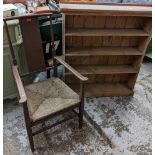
{"x": 105, "y": 32}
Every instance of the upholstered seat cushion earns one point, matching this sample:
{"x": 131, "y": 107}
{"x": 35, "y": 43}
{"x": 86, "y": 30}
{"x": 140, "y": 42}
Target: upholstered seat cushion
{"x": 48, "y": 97}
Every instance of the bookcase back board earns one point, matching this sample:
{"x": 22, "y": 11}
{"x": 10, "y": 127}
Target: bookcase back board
{"x": 107, "y": 44}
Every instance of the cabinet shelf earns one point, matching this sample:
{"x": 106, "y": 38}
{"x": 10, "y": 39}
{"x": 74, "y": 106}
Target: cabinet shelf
{"x": 102, "y": 51}
{"x": 106, "y": 89}
{"x": 103, "y": 69}
{"x": 105, "y": 32}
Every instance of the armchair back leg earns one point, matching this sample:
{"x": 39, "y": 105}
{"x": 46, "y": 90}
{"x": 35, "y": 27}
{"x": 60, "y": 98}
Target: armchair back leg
{"x": 48, "y": 74}
{"x": 81, "y": 106}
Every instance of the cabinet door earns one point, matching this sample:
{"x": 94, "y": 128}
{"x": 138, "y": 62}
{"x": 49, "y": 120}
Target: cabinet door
{"x": 9, "y": 85}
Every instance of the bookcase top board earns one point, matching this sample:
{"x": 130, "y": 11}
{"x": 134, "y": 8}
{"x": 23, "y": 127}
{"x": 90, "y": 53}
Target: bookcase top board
{"x": 107, "y": 9}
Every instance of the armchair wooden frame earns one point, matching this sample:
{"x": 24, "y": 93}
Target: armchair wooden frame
{"x": 23, "y": 97}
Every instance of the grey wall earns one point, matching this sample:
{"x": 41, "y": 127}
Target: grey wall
{"x": 109, "y": 1}
{"x": 138, "y": 1}
{"x": 126, "y": 1}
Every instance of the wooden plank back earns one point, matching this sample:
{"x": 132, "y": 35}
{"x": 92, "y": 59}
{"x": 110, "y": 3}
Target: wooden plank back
{"x": 32, "y": 43}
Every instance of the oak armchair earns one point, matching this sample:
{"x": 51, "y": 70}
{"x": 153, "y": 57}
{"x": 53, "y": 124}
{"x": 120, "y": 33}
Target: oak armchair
{"x": 49, "y": 98}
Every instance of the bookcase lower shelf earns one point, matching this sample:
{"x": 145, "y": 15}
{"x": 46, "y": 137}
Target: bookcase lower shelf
{"x": 106, "y": 89}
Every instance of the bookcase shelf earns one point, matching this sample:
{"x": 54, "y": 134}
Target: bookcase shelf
{"x": 103, "y": 69}
{"x": 101, "y": 51}
{"x": 104, "y": 32}
{"x": 106, "y": 89}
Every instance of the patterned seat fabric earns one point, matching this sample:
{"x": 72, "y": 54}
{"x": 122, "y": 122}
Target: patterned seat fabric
{"x": 48, "y": 97}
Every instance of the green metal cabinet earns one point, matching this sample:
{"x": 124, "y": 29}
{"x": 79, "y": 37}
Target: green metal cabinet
{"x": 9, "y": 86}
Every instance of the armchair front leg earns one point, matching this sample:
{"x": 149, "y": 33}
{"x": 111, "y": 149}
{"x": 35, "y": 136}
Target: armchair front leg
{"x": 82, "y": 81}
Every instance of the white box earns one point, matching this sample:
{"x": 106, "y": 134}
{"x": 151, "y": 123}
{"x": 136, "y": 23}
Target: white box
{"x": 9, "y": 10}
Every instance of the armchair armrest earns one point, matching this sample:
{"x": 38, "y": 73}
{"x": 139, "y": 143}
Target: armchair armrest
{"x": 19, "y": 83}
{"x": 76, "y": 73}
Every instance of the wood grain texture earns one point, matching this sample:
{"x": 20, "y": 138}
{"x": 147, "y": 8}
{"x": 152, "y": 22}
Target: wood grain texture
{"x": 32, "y": 43}
{"x": 104, "y": 69}
{"x": 100, "y": 60}
{"x": 106, "y": 9}
{"x": 23, "y": 97}
{"x": 101, "y": 51}
{"x": 101, "y": 41}
{"x": 100, "y": 78}
{"x": 77, "y": 74}
{"x": 106, "y": 89}
{"x": 107, "y": 46}
{"x": 105, "y": 32}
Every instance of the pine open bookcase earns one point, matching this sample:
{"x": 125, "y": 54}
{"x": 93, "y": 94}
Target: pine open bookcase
{"x": 106, "y": 43}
